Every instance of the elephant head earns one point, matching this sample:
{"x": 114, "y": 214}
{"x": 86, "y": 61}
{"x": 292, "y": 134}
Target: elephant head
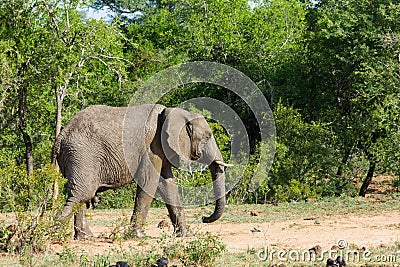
{"x": 187, "y": 137}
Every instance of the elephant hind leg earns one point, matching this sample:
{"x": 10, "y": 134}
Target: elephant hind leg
{"x": 66, "y": 214}
{"x": 81, "y": 171}
{"x": 81, "y": 226}
{"x": 78, "y": 209}
{"x": 76, "y": 206}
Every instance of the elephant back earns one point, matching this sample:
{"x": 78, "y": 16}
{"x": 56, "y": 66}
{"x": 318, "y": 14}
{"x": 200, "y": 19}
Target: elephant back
{"x": 108, "y": 139}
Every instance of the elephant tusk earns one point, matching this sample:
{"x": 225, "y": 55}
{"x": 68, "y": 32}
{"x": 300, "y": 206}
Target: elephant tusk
{"x": 219, "y": 162}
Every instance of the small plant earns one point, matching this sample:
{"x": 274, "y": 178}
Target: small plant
{"x": 6, "y": 232}
{"x": 67, "y": 255}
{"x": 146, "y": 259}
{"x": 118, "y": 233}
{"x": 396, "y": 184}
{"x": 102, "y": 261}
{"x": 84, "y": 259}
{"x": 34, "y": 231}
{"x": 201, "y": 250}
{"x": 123, "y": 230}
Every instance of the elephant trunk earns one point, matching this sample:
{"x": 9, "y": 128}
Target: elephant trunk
{"x": 218, "y": 177}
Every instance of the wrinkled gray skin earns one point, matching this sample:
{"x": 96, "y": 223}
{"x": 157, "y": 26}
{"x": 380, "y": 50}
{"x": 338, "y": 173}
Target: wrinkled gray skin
{"x": 105, "y": 147}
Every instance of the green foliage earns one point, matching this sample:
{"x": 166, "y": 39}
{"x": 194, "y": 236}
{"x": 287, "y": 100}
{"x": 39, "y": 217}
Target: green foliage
{"x": 121, "y": 198}
{"x": 329, "y": 71}
{"x": 83, "y": 65}
{"x": 202, "y": 250}
{"x": 242, "y": 191}
{"x": 294, "y": 190}
{"x": 305, "y": 156}
{"x": 396, "y": 184}
{"x": 29, "y": 196}
{"x": 35, "y": 231}
{"x": 70, "y": 257}
{"x": 354, "y": 45}
{"x": 21, "y": 192}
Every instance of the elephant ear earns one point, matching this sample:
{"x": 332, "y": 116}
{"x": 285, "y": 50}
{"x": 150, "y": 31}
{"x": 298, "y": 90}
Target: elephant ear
{"x": 176, "y": 135}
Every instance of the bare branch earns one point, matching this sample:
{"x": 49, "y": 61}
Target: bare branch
{"x": 117, "y": 58}
{"x": 55, "y": 25}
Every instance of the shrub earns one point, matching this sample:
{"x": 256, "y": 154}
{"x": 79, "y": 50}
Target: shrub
{"x": 396, "y": 184}
{"x": 121, "y": 198}
{"x": 243, "y": 191}
{"x": 305, "y": 157}
{"x": 20, "y": 191}
{"x": 30, "y": 196}
{"x": 201, "y": 250}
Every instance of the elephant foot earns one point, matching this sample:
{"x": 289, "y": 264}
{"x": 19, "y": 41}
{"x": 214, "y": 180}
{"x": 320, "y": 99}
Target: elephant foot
{"x": 134, "y": 233}
{"x": 82, "y": 235}
{"x": 139, "y": 233}
{"x": 183, "y": 232}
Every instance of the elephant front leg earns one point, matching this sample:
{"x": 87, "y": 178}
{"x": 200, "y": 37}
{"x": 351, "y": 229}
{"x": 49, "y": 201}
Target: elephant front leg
{"x": 81, "y": 225}
{"x": 170, "y": 194}
{"x": 142, "y": 205}
{"x": 147, "y": 183}
{"x": 178, "y": 220}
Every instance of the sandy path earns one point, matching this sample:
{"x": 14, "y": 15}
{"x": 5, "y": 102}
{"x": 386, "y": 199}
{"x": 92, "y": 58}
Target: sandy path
{"x": 304, "y": 234}
{"x": 299, "y": 234}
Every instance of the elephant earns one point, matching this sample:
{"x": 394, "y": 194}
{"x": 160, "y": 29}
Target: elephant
{"x": 105, "y": 147}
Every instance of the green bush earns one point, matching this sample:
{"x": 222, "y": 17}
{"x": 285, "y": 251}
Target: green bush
{"x": 20, "y": 191}
{"x": 305, "y": 164}
{"x": 201, "y": 250}
{"x": 30, "y": 197}
{"x": 242, "y": 191}
{"x": 121, "y": 198}
{"x": 305, "y": 157}
{"x": 295, "y": 190}
{"x": 396, "y": 184}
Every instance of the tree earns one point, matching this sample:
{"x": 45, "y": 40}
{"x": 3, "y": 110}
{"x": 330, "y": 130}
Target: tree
{"x": 17, "y": 34}
{"x": 52, "y": 53}
{"x": 354, "y": 74}
{"x": 77, "y": 42}
{"x": 258, "y": 41}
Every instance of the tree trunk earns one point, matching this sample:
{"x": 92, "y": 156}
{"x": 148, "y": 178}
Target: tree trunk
{"x": 372, "y": 164}
{"x": 368, "y": 178}
{"x": 344, "y": 160}
{"x": 59, "y": 102}
{"x": 22, "y": 105}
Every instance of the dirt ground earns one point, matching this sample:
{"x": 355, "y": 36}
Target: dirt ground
{"x": 304, "y": 234}
{"x": 301, "y": 234}
{"x": 369, "y": 230}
